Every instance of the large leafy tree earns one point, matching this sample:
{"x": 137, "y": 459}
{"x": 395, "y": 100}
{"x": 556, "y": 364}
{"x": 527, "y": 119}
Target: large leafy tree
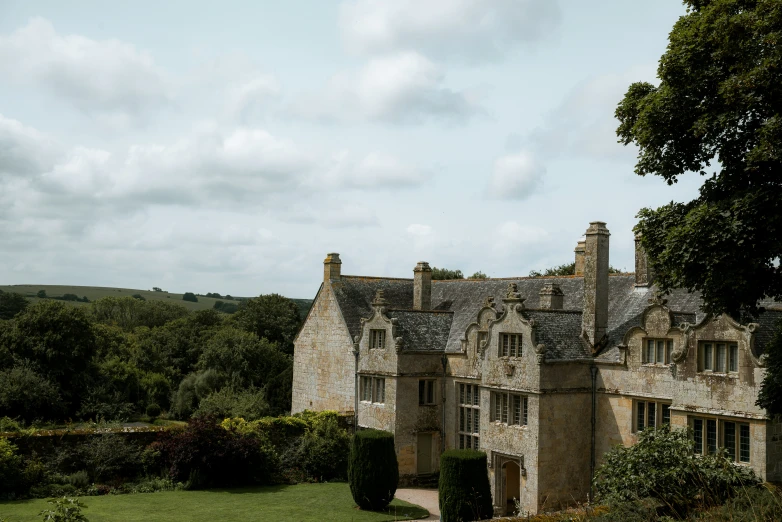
{"x": 717, "y": 113}
{"x": 271, "y": 317}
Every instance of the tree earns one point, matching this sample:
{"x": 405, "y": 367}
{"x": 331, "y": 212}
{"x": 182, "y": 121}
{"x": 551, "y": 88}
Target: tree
{"x": 464, "y": 491}
{"x": 157, "y": 289}
{"x": 718, "y": 112}
{"x": 479, "y": 275}
{"x": 373, "y": 471}
{"x": 11, "y": 303}
{"x": 271, "y": 317}
{"x": 189, "y": 296}
{"x": 41, "y": 294}
{"x": 441, "y": 274}
{"x": 565, "y": 270}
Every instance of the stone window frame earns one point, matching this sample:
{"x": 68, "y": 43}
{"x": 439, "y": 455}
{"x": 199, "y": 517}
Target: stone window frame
{"x": 642, "y": 407}
{"x": 709, "y": 357}
{"x": 377, "y": 338}
{"x": 703, "y": 426}
{"x": 654, "y": 352}
{"x": 372, "y": 389}
{"x": 509, "y": 349}
{"x": 468, "y": 417}
{"x": 509, "y": 408}
{"x": 427, "y": 392}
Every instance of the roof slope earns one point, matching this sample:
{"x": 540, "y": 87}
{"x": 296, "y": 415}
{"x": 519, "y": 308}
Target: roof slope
{"x": 422, "y": 330}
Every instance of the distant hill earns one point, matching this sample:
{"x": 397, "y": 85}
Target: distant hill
{"x": 93, "y": 293}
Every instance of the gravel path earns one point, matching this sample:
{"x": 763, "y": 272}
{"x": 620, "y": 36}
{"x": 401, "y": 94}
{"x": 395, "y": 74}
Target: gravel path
{"x": 426, "y": 498}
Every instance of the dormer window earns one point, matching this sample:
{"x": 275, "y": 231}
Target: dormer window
{"x": 718, "y": 357}
{"x": 510, "y": 345}
{"x": 377, "y": 339}
{"x": 657, "y": 351}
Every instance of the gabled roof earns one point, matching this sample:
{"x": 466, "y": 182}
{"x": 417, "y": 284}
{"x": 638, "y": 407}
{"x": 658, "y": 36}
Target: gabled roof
{"x": 464, "y": 298}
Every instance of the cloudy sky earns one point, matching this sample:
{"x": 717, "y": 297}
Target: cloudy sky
{"x": 228, "y": 146}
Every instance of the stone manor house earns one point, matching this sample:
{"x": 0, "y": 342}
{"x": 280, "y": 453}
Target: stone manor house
{"x": 544, "y": 374}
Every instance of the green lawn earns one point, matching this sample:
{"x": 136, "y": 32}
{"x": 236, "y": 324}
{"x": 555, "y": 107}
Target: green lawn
{"x": 303, "y": 502}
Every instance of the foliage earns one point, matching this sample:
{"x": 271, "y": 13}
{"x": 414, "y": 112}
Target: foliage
{"x": 567, "y": 269}
{"x": 272, "y": 317}
{"x": 662, "y": 466}
{"x": 64, "y": 509}
{"x": 153, "y": 410}
{"x": 11, "y": 303}
{"x": 130, "y": 312}
{"x": 479, "y": 275}
{"x": 157, "y": 289}
{"x": 8, "y": 424}
{"x": 770, "y": 395}
{"x": 442, "y": 274}
{"x": 41, "y": 294}
{"x": 11, "y": 468}
{"x": 28, "y": 395}
{"x": 321, "y": 452}
{"x": 249, "y": 403}
{"x": 718, "y": 100}
{"x": 206, "y": 455}
{"x": 464, "y": 491}
{"x": 373, "y": 471}
{"x": 189, "y": 296}
{"x": 226, "y": 308}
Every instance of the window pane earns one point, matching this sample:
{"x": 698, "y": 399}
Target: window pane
{"x": 421, "y": 391}
{"x": 651, "y": 411}
{"x": 430, "y": 392}
{"x": 461, "y": 441}
{"x": 476, "y": 443}
{"x": 461, "y": 418}
{"x": 468, "y": 420}
{"x": 526, "y": 409}
{"x": 744, "y": 442}
{"x": 668, "y": 351}
{"x": 476, "y": 421}
{"x": 666, "y": 414}
{"x": 711, "y": 435}
{"x": 641, "y": 420}
{"x": 505, "y": 408}
{"x": 707, "y": 357}
{"x": 660, "y": 352}
{"x": 461, "y": 394}
{"x": 734, "y": 358}
{"x": 697, "y": 435}
{"x": 721, "y": 356}
{"x": 730, "y": 439}
{"x": 476, "y": 397}
{"x": 649, "y": 351}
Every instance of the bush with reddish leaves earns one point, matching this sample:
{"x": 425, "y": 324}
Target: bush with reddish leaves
{"x": 206, "y": 455}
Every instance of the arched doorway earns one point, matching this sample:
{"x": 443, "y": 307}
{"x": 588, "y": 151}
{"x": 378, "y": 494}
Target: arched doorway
{"x": 512, "y": 480}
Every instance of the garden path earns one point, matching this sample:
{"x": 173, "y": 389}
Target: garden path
{"x": 426, "y": 498}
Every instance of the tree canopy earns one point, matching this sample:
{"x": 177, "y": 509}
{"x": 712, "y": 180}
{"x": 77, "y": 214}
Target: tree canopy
{"x": 715, "y": 112}
{"x": 441, "y": 274}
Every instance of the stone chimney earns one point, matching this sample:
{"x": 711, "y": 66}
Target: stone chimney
{"x": 644, "y": 273}
{"x": 551, "y": 297}
{"x": 422, "y": 286}
{"x": 594, "y": 322}
{"x": 580, "y": 258}
{"x": 332, "y": 267}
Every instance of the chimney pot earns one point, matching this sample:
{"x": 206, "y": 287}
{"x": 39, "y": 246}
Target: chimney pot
{"x": 595, "y": 316}
{"x": 332, "y": 267}
{"x": 580, "y": 257}
{"x": 422, "y": 286}
{"x": 551, "y": 297}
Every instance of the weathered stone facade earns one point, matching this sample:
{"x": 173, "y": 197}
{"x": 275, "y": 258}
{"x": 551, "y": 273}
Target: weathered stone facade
{"x": 544, "y": 374}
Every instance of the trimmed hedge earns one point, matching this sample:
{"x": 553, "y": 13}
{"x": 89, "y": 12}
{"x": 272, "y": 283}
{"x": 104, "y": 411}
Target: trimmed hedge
{"x": 373, "y": 472}
{"x": 464, "y": 490}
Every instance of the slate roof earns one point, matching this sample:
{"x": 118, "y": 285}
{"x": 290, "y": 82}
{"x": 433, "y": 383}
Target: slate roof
{"x": 465, "y": 297}
{"x": 422, "y": 330}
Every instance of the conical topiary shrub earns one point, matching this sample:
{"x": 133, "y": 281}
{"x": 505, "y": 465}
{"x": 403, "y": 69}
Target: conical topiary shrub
{"x": 465, "y": 493}
{"x": 373, "y": 472}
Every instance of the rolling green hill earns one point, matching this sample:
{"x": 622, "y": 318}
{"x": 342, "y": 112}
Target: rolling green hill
{"x": 96, "y": 292}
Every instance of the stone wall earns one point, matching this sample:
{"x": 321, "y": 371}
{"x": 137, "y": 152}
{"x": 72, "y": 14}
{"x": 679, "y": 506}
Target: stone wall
{"x": 323, "y": 361}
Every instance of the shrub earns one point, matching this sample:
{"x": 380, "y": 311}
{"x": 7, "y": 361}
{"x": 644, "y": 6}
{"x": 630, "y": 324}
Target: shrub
{"x": 320, "y": 453}
{"x": 139, "y": 297}
{"x": 663, "y": 466}
{"x": 8, "y": 424}
{"x": 464, "y": 491}
{"x": 153, "y": 410}
{"x": 249, "y": 404}
{"x": 204, "y": 454}
{"x": 373, "y": 472}
{"x": 11, "y": 468}
{"x": 41, "y": 294}
{"x": 80, "y": 479}
{"x": 189, "y": 296}
{"x": 64, "y": 509}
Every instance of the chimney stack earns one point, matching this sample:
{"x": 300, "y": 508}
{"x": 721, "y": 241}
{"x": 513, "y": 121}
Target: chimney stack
{"x": 644, "y": 273}
{"x": 580, "y": 258}
{"x": 551, "y": 297}
{"x": 332, "y": 267}
{"x": 594, "y": 322}
{"x": 422, "y": 286}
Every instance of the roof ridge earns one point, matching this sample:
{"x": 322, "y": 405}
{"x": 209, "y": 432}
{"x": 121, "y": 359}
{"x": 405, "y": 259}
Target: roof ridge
{"x": 378, "y": 278}
{"x": 420, "y": 311}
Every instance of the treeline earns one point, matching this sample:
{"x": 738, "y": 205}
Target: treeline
{"x": 120, "y": 358}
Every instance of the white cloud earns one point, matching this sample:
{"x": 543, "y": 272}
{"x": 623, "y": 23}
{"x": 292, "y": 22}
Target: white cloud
{"x": 467, "y": 30}
{"x": 375, "y": 170}
{"x": 23, "y": 150}
{"x": 109, "y": 79}
{"x": 583, "y": 124}
{"x": 419, "y": 230}
{"x": 513, "y": 232}
{"x": 515, "y": 176}
{"x": 396, "y": 88}
{"x": 249, "y": 98}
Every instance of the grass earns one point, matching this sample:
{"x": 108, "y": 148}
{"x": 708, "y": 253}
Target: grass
{"x": 303, "y": 502}
{"x": 96, "y": 292}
